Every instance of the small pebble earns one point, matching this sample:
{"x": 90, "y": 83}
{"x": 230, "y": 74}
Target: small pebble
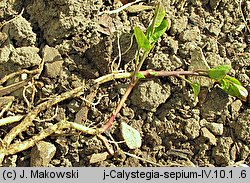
{"x": 207, "y": 134}
{"x": 215, "y": 128}
{"x": 42, "y": 154}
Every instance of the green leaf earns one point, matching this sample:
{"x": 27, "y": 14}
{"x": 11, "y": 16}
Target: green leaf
{"x": 141, "y": 39}
{"x": 242, "y": 91}
{"x": 196, "y": 88}
{"x": 159, "y": 31}
{"x": 159, "y": 15}
{"x": 233, "y": 88}
{"x": 157, "y": 20}
{"x": 139, "y": 75}
{"x": 149, "y": 32}
{"x": 232, "y": 80}
{"x": 237, "y": 91}
{"x": 219, "y": 72}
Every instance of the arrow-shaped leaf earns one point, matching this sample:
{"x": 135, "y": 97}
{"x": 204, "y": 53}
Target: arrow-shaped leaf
{"x": 159, "y": 31}
{"x": 159, "y": 15}
{"x": 157, "y": 20}
{"x": 219, "y": 72}
{"x": 141, "y": 39}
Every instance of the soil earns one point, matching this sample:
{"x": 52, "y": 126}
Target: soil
{"x": 78, "y": 44}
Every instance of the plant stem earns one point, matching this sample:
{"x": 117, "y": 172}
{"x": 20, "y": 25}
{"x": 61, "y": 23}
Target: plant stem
{"x": 128, "y": 91}
{"x": 118, "y": 108}
{"x": 110, "y": 77}
{"x": 147, "y": 73}
{"x": 153, "y": 73}
{"x": 141, "y": 62}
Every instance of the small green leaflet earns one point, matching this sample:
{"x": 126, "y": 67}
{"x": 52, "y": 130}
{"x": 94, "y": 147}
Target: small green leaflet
{"x": 157, "y": 20}
{"x": 139, "y": 75}
{"x": 159, "y": 15}
{"x": 233, "y": 87}
{"x": 219, "y": 72}
{"x": 141, "y": 39}
{"x": 196, "y": 88}
{"x": 229, "y": 84}
{"x": 156, "y": 29}
{"x": 232, "y": 80}
{"x": 159, "y": 31}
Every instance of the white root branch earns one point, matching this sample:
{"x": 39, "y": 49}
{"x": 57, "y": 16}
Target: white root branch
{"x": 27, "y": 121}
{"x": 10, "y": 119}
{"x": 21, "y": 146}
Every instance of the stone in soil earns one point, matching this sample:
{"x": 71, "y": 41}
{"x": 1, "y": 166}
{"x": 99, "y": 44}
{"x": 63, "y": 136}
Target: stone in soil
{"x": 162, "y": 61}
{"x": 215, "y": 128}
{"x": 54, "y": 69}
{"x": 53, "y": 62}
{"x": 190, "y": 35}
{"x": 20, "y": 32}
{"x": 178, "y": 25}
{"x": 192, "y": 128}
{"x": 198, "y": 61}
{"x": 242, "y": 127}
{"x": 94, "y": 158}
{"x": 235, "y": 108}
{"x": 19, "y": 58}
{"x": 221, "y": 152}
{"x": 42, "y": 154}
{"x": 208, "y": 135}
{"x": 150, "y": 94}
{"x": 216, "y": 102}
